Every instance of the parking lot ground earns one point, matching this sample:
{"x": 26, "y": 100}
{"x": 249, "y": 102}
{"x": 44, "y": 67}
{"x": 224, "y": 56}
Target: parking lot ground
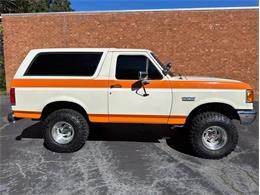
{"x": 123, "y": 159}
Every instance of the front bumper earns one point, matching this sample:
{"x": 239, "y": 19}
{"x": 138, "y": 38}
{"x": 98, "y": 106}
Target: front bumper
{"x": 246, "y": 116}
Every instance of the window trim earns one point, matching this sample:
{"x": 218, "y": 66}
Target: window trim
{"x": 136, "y": 54}
{"x": 67, "y": 76}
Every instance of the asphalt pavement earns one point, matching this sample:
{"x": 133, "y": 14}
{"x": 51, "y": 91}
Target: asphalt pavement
{"x": 122, "y": 159}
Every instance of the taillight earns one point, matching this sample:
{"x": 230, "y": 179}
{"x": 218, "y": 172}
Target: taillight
{"x": 12, "y": 96}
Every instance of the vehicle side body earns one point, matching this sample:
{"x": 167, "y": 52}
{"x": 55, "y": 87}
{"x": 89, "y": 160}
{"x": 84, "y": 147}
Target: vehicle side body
{"x": 171, "y": 100}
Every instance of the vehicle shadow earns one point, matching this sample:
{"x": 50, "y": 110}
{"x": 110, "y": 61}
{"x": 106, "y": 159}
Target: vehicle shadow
{"x": 34, "y": 131}
{"x": 176, "y": 138}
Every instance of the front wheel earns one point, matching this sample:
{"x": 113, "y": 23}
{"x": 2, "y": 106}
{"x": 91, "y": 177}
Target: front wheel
{"x": 213, "y": 135}
{"x": 66, "y": 131}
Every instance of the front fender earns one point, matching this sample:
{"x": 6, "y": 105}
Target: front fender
{"x": 186, "y": 100}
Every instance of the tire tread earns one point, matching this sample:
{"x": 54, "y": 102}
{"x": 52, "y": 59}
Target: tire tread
{"x": 200, "y": 121}
{"x": 83, "y": 131}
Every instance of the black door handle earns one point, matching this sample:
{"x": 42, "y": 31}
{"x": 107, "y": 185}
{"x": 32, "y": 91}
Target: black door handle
{"x": 116, "y": 86}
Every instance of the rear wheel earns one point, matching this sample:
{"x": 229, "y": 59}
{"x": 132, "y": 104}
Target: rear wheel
{"x": 213, "y": 135}
{"x": 66, "y": 131}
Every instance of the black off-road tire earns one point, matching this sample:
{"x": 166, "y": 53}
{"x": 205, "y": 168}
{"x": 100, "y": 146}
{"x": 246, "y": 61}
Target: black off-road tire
{"x": 76, "y": 120}
{"x": 207, "y": 119}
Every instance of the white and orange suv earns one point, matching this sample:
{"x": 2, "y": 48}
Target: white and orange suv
{"x": 69, "y": 88}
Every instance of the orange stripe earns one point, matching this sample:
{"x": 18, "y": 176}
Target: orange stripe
{"x": 149, "y": 119}
{"x": 98, "y": 118}
{"x": 152, "y": 119}
{"x": 26, "y": 114}
{"x": 116, "y": 118}
{"x": 177, "y": 120}
{"x": 81, "y": 83}
{"x": 137, "y": 84}
{"x": 209, "y": 85}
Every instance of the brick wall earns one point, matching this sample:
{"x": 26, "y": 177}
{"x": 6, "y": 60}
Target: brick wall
{"x": 221, "y": 43}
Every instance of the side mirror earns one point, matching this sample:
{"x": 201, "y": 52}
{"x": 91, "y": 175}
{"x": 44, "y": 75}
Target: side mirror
{"x": 143, "y": 77}
{"x": 167, "y": 68}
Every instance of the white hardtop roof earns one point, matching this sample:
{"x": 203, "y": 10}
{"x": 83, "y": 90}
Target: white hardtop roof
{"x": 87, "y": 49}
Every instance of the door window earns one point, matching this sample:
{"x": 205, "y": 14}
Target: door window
{"x": 129, "y": 66}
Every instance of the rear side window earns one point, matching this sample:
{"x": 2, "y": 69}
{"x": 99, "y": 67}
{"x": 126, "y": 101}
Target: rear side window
{"x": 64, "y": 64}
{"x": 128, "y": 67}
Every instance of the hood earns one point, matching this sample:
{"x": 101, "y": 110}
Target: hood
{"x": 207, "y": 82}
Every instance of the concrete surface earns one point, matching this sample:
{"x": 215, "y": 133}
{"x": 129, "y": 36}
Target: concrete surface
{"x": 123, "y": 159}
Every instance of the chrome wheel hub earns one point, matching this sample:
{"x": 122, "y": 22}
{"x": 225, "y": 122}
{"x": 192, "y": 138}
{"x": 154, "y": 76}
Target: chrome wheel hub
{"x": 214, "y": 137}
{"x": 62, "y": 132}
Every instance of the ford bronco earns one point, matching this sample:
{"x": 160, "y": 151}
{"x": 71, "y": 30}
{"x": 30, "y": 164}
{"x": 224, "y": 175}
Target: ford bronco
{"x": 69, "y": 89}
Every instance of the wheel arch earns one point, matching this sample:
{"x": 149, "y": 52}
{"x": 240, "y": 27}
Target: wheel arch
{"x": 56, "y": 105}
{"x": 222, "y": 108}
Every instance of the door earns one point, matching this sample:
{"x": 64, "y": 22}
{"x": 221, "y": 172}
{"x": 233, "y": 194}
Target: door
{"x": 130, "y": 100}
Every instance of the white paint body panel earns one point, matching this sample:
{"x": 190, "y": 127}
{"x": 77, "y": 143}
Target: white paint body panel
{"x": 128, "y": 101}
{"x": 35, "y": 99}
